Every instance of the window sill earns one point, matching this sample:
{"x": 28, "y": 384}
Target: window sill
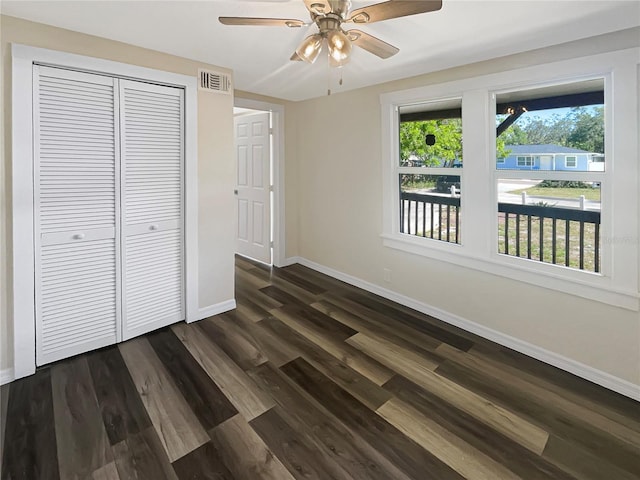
{"x": 590, "y": 286}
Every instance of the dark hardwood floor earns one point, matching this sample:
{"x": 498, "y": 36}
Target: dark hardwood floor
{"x": 310, "y": 378}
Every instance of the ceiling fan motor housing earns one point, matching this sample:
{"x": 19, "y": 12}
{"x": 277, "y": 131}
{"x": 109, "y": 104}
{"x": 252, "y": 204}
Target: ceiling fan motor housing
{"x": 328, "y": 23}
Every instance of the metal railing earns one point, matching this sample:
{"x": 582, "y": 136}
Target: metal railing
{"x": 562, "y": 236}
{"x": 430, "y": 216}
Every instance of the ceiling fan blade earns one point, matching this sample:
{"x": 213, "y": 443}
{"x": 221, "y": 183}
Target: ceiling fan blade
{"x": 372, "y": 44}
{"x": 267, "y": 22}
{"x": 318, "y": 7}
{"x": 393, "y": 9}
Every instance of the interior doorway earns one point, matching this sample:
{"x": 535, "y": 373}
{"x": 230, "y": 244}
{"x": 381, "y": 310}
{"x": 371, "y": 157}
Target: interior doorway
{"x": 253, "y": 184}
{"x": 259, "y": 147}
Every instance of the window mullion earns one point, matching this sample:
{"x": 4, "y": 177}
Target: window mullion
{"x": 477, "y": 204}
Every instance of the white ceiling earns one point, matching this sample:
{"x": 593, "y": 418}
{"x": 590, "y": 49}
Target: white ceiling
{"x": 464, "y": 31}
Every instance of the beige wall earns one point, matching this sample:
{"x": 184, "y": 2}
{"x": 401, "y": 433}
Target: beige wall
{"x": 215, "y": 160}
{"x": 334, "y": 205}
{"x": 339, "y": 197}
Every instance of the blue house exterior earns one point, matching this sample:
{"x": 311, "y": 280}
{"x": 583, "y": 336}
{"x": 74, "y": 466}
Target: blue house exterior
{"x": 550, "y": 157}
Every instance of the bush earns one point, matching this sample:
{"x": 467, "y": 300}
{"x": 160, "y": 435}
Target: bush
{"x": 544, "y": 204}
{"x": 563, "y": 184}
{"x": 417, "y": 181}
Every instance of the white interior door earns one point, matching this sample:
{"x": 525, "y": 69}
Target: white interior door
{"x": 152, "y": 206}
{"x": 76, "y": 177}
{"x": 253, "y": 167}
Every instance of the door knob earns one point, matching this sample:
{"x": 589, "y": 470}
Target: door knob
{"x": 235, "y": 192}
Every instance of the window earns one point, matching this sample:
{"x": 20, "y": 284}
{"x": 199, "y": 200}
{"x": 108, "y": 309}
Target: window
{"x": 525, "y": 162}
{"x": 527, "y": 213}
{"x": 429, "y": 170}
{"x": 551, "y": 218}
{"x": 551, "y": 221}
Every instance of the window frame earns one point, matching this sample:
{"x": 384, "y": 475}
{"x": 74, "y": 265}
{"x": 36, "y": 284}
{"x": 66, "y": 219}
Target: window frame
{"x": 603, "y": 178}
{"x": 566, "y": 161}
{"x": 435, "y": 105}
{"x": 618, "y": 282}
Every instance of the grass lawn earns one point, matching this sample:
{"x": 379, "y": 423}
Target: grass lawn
{"x": 547, "y": 243}
{"x": 589, "y": 193}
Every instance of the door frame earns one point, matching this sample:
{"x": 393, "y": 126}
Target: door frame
{"x": 22, "y": 208}
{"x": 277, "y": 167}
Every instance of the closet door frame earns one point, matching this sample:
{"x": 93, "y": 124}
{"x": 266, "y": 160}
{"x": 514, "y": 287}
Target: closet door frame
{"x": 23, "y": 206}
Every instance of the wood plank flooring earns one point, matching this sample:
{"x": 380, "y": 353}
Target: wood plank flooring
{"x": 310, "y": 378}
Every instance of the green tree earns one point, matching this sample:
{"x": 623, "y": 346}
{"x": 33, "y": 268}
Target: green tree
{"x": 446, "y": 150}
{"x": 515, "y": 135}
{"x": 541, "y": 131}
{"x": 588, "y": 129}
{"x": 582, "y": 127}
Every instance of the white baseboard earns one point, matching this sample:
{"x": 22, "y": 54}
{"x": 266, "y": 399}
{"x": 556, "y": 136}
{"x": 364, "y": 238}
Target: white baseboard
{"x": 290, "y": 261}
{"x": 599, "y": 377}
{"x": 212, "y": 310}
{"x": 6, "y": 376}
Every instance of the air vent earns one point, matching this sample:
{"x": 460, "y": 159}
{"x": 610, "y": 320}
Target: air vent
{"x": 214, "y": 81}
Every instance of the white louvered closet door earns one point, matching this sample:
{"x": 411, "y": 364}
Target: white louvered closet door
{"x": 76, "y": 177}
{"x": 151, "y": 119}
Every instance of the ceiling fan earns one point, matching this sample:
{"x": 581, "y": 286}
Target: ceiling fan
{"x": 329, "y": 15}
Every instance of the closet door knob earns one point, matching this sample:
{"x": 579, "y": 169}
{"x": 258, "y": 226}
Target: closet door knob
{"x": 78, "y": 236}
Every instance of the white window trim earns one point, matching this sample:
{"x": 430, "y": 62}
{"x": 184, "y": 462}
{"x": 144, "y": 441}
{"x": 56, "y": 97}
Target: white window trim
{"x": 566, "y": 163}
{"x": 23, "y": 58}
{"x": 618, "y": 284}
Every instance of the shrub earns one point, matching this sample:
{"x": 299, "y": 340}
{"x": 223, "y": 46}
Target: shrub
{"x": 563, "y": 184}
{"x": 544, "y": 204}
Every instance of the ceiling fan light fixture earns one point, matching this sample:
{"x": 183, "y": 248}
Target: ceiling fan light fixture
{"x": 310, "y": 47}
{"x": 339, "y": 47}
{"x": 329, "y": 17}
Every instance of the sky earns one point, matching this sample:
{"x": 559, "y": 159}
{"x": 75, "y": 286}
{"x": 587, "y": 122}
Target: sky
{"x": 546, "y": 114}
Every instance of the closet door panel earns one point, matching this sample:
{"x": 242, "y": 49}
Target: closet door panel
{"x": 152, "y": 182}
{"x": 77, "y": 212}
